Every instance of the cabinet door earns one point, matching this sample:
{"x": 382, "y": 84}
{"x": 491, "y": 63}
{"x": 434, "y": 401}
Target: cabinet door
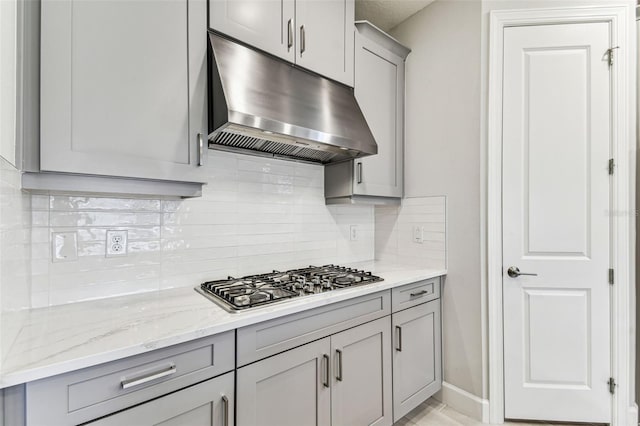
{"x": 266, "y": 24}
{"x": 118, "y": 82}
{"x": 379, "y": 90}
{"x": 291, "y": 388}
{"x": 361, "y": 388}
{"x": 209, "y": 403}
{"x": 325, "y": 37}
{"x": 417, "y": 366}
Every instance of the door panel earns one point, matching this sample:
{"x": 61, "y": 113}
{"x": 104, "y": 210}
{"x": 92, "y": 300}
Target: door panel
{"x": 556, "y": 146}
{"x": 328, "y": 32}
{"x": 361, "y": 388}
{"x": 417, "y": 371}
{"x": 379, "y": 88}
{"x": 101, "y": 110}
{"x": 286, "y": 389}
{"x": 260, "y": 23}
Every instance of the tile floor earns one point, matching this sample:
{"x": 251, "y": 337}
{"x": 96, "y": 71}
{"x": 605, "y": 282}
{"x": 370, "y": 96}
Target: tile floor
{"x": 435, "y": 413}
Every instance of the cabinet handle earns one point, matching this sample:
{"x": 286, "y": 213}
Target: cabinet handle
{"x": 200, "y": 150}
{"x": 225, "y": 410}
{"x": 126, "y": 384}
{"x": 325, "y": 365}
{"x": 399, "y": 340}
{"x": 418, "y": 293}
{"x": 359, "y": 173}
{"x": 289, "y": 34}
{"x": 339, "y": 372}
{"x": 303, "y": 40}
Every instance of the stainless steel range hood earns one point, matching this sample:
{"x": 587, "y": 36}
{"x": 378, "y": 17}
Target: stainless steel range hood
{"x": 263, "y": 105}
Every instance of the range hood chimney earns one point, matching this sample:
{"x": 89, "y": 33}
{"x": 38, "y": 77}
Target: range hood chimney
{"x": 263, "y": 105}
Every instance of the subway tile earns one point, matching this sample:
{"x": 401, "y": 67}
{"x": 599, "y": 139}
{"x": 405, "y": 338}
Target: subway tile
{"x": 256, "y": 214}
{"x": 74, "y": 203}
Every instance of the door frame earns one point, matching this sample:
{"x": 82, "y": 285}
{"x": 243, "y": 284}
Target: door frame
{"x": 624, "y": 410}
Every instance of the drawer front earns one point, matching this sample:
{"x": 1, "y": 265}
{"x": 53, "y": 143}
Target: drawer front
{"x": 208, "y": 403}
{"x": 261, "y": 340}
{"x": 93, "y": 392}
{"x": 414, "y": 294}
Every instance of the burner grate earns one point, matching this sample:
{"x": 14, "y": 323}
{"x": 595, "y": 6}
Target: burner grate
{"x": 237, "y": 294}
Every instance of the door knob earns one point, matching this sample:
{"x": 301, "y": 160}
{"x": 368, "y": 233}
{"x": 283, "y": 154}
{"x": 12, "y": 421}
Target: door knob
{"x": 514, "y": 272}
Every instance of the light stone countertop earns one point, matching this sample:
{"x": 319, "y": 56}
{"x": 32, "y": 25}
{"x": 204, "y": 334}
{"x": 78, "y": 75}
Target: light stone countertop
{"x": 44, "y": 342}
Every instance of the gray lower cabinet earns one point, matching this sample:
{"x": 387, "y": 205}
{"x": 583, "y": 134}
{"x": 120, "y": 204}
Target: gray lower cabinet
{"x": 289, "y": 389}
{"x": 206, "y": 404}
{"x": 417, "y": 365}
{"x": 96, "y": 392}
{"x": 344, "y": 379}
{"x": 361, "y": 379}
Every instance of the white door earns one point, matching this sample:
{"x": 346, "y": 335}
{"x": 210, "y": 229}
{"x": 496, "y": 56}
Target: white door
{"x": 556, "y": 147}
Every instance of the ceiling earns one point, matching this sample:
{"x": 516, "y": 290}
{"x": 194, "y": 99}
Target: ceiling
{"x": 386, "y": 14}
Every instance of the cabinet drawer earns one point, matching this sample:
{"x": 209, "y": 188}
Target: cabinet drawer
{"x": 206, "y": 404}
{"x": 93, "y": 392}
{"x": 416, "y": 293}
{"x": 271, "y": 337}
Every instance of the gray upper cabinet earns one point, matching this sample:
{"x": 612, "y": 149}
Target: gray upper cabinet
{"x": 326, "y": 37}
{"x": 379, "y": 89}
{"x": 292, "y": 388}
{"x": 417, "y": 362}
{"x": 123, "y": 88}
{"x": 265, "y": 24}
{"x": 206, "y": 404}
{"x": 361, "y": 388}
{"x": 314, "y": 34}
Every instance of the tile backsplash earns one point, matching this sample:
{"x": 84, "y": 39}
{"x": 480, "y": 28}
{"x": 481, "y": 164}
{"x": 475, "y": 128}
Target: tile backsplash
{"x": 15, "y": 240}
{"x": 395, "y": 226}
{"x": 255, "y": 215}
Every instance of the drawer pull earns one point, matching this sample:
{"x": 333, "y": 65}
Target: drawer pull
{"x": 325, "y": 364}
{"x": 419, "y": 293}
{"x": 225, "y": 408}
{"x": 200, "y": 150}
{"x": 129, "y": 383}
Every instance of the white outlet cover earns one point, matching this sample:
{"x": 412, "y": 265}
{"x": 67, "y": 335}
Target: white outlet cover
{"x": 353, "y": 233}
{"x": 64, "y": 246}
{"x": 116, "y": 242}
{"x": 418, "y": 234}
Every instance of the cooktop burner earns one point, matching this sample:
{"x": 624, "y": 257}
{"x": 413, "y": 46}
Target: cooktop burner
{"x": 237, "y": 294}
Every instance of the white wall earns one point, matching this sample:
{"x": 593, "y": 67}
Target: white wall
{"x": 442, "y": 158}
{"x": 255, "y": 215}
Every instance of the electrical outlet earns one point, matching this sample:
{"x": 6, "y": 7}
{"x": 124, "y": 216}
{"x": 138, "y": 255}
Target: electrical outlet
{"x": 418, "y": 234}
{"x": 116, "y": 243}
{"x": 353, "y": 233}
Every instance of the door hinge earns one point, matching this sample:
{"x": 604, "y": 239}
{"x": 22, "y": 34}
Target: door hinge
{"x": 611, "y": 276}
{"x": 612, "y": 165}
{"x": 612, "y": 385}
{"x": 610, "y": 54}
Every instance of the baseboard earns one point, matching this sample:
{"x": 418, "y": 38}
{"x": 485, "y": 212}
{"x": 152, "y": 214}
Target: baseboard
{"x": 464, "y": 402}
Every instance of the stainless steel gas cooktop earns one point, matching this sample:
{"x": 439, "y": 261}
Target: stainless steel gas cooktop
{"x": 238, "y": 294}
